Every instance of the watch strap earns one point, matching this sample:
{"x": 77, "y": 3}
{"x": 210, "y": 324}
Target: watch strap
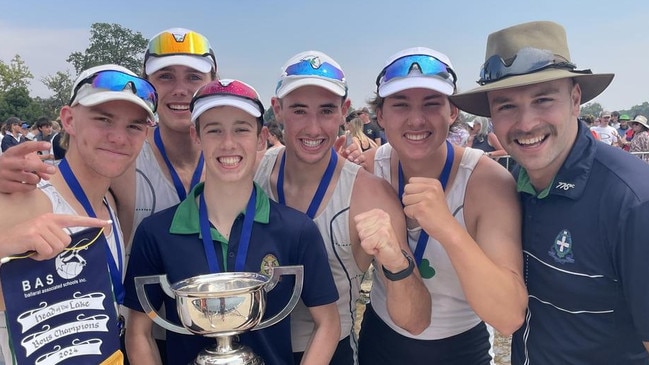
{"x": 403, "y": 273}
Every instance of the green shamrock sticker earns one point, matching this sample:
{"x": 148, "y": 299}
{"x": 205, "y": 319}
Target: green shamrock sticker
{"x": 426, "y": 270}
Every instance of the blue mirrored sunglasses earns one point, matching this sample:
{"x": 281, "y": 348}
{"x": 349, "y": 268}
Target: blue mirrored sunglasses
{"x": 313, "y": 67}
{"x": 426, "y": 64}
{"x": 118, "y": 81}
{"x": 526, "y": 60}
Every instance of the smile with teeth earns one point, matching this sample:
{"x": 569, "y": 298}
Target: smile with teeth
{"x": 416, "y": 136}
{"x": 530, "y": 140}
{"x": 312, "y": 142}
{"x": 178, "y": 107}
{"x": 229, "y": 160}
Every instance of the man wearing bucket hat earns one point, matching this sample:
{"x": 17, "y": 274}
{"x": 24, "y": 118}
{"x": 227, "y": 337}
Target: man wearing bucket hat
{"x": 585, "y": 250}
{"x": 106, "y": 122}
{"x": 235, "y": 214}
{"x": 358, "y": 216}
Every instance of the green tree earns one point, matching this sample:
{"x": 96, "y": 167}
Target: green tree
{"x": 15, "y": 102}
{"x": 269, "y": 115}
{"x": 111, "y": 43}
{"x": 14, "y": 75}
{"x": 592, "y": 109}
{"x": 60, "y": 85}
{"x": 642, "y": 109}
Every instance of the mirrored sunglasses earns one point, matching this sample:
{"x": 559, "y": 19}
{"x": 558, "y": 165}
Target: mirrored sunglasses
{"x": 426, "y": 64}
{"x": 190, "y": 43}
{"x": 314, "y": 67}
{"x": 526, "y": 60}
{"x": 119, "y": 81}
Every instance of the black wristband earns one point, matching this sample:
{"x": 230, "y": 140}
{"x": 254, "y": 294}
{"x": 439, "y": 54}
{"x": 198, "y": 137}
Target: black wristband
{"x": 403, "y": 273}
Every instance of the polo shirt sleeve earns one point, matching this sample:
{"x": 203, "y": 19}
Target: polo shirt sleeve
{"x": 633, "y": 266}
{"x": 145, "y": 260}
{"x": 319, "y": 287}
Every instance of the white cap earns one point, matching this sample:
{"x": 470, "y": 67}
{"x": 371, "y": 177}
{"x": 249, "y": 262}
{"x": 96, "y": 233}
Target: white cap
{"x": 415, "y": 79}
{"x": 205, "y": 103}
{"x": 317, "y": 60}
{"x": 88, "y": 96}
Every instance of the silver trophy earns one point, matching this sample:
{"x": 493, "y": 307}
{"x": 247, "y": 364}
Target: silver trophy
{"x": 222, "y": 306}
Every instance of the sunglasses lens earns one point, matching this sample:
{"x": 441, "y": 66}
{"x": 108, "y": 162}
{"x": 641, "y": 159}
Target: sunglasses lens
{"x": 227, "y": 87}
{"x": 426, "y": 65}
{"x": 234, "y": 88}
{"x": 312, "y": 67}
{"x": 525, "y": 61}
{"x": 118, "y": 81}
{"x": 190, "y": 43}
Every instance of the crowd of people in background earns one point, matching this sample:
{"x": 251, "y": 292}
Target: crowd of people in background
{"x": 409, "y": 184}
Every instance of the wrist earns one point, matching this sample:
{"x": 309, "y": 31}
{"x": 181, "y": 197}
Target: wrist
{"x": 405, "y": 270}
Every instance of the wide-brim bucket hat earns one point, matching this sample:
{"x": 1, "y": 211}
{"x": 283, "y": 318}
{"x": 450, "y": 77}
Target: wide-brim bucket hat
{"x": 528, "y": 54}
{"x": 642, "y": 120}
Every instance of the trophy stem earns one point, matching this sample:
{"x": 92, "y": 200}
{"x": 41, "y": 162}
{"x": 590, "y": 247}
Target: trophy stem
{"x": 225, "y": 344}
{"x": 227, "y": 351}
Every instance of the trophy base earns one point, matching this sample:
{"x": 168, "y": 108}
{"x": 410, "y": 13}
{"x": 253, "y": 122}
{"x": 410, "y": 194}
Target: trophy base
{"x": 241, "y": 355}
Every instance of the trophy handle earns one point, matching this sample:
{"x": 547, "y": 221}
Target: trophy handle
{"x": 140, "y": 282}
{"x": 298, "y": 271}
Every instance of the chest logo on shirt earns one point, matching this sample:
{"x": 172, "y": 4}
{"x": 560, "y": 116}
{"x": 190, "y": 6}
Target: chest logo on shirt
{"x": 565, "y": 186}
{"x": 561, "y": 250}
{"x": 268, "y": 263}
{"x": 426, "y": 270}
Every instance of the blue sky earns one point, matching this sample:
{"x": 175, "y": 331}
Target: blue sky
{"x": 253, "y": 38}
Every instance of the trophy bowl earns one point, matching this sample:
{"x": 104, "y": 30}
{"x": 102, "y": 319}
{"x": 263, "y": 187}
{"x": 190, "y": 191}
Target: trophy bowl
{"x": 221, "y": 306}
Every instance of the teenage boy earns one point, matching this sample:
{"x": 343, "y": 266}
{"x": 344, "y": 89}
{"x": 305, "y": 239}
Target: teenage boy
{"x": 359, "y": 217}
{"x": 107, "y": 121}
{"x": 225, "y": 224}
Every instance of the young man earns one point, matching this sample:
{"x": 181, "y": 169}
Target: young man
{"x": 45, "y": 133}
{"x": 585, "y": 248}
{"x": 177, "y": 62}
{"x": 227, "y": 208}
{"x": 607, "y": 133}
{"x": 13, "y": 134}
{"x": 107, "y": 121}
{"x": 463, "y": 222}
{"x": 358, "y": 216}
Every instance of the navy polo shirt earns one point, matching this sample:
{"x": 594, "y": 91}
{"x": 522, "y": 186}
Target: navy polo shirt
{"x": 586, "y": 260}
{"x": 169, "y": 242}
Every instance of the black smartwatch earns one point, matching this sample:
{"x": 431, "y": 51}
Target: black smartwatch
{"x": 396, "y": 276}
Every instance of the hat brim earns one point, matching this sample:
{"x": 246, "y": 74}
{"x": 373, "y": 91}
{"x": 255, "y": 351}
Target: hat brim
{"x": 204, "y": 104}
{"x": 101, "y": 97}
{"x": 202, "y": 64}
{"x": 290, "y": 85}
{"x": 646, "y": 125}
{"x": 475, "y": 101}
{"x": 413, "y": 82}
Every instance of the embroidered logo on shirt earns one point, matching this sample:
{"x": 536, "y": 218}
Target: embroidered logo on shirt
{"x": 426, "y": 270}
{"x": 564, "y": 186}
{"x": 268, "y": 263}
{"x": 561, "y": 250}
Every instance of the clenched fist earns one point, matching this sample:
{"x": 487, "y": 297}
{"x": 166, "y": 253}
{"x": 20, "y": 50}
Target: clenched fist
{"x": 379, "y": 240}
